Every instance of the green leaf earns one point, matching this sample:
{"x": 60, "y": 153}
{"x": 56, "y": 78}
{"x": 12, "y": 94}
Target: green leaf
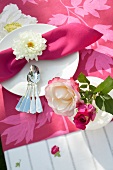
{"x": 106, "y": 86}
{"x": 88, "y": 94}
{"x": 57, "y": 154}
{"x": 82, "y": 78}
{"x": 106, "y": 96}
{"x": 109, "y": 106}
{"x": 105, "y": 103}
{"x": 92, "y": 88}
{"x": 99, "y": 103}
{"x": 83, "y": 86}
{"x": 17, "y": 164}
{"x": 82, "y": 91}
{"x": 83, "y": 98}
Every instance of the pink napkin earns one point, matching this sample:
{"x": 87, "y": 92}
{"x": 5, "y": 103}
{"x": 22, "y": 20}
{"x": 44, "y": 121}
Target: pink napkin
{"x": 61, "y": 42}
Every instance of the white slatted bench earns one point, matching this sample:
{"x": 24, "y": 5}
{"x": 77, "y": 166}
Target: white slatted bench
{"x": 83, "y": 150}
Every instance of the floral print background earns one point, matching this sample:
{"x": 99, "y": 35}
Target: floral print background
{"x": 96, "y": 60}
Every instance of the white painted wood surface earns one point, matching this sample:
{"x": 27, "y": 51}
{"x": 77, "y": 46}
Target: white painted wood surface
{"x": 83, "y": 150}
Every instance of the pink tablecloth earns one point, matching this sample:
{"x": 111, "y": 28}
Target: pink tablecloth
{"x": 19, "y": 128}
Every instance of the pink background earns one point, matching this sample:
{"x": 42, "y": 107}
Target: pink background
{"x": 19, "y": 128}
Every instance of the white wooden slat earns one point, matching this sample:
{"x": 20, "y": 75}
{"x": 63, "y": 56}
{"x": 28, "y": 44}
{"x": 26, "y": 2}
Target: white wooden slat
{"x": 98, "y": 166}
{"x": 100, "y": 149}
{"x": 64, "y": 162}
{"x": 109, "y": 131}
{"x": 80, "y": 151}
{"x": 39, "y": 156}
{"x": 15, "y": 155}
{"x": 7, "y": 159}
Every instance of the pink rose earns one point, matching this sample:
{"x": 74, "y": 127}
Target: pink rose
{"x": 86, "y": 112}
{"x": 62, "y": 96}
{"x": 54, "y": 150}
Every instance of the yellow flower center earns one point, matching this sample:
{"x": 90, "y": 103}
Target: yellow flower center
{"x": 12, "y": 26}
{"x": 30, "y": 44}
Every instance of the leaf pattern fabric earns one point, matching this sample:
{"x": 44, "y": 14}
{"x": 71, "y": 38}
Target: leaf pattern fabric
{"x": 96, "y": 60}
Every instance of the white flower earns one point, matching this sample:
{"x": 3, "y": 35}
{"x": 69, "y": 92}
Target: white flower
{"x": 62, "y": 96}
{"x": 29, "y": 45}
{"x": 12, "y": 18}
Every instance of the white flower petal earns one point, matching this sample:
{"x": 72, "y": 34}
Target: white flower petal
{"x": 62, "y": 97}
{"x": 10, "y": 15}
{"x": 59, "y": 105}
{"x": 60, "y": 92}
{"x": 28, "y": 45}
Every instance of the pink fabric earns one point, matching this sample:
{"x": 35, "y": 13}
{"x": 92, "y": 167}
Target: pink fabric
{"x": 96, "y": 60}
{"x": 61, "y": 42}
{"x": 18, "y": 129}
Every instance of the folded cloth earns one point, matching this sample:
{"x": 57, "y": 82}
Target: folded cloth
{"x": 61, "y": 42}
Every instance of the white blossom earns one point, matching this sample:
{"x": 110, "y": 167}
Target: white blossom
{"x": 12, "y": 18}
{"x": 29, "y": 45}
